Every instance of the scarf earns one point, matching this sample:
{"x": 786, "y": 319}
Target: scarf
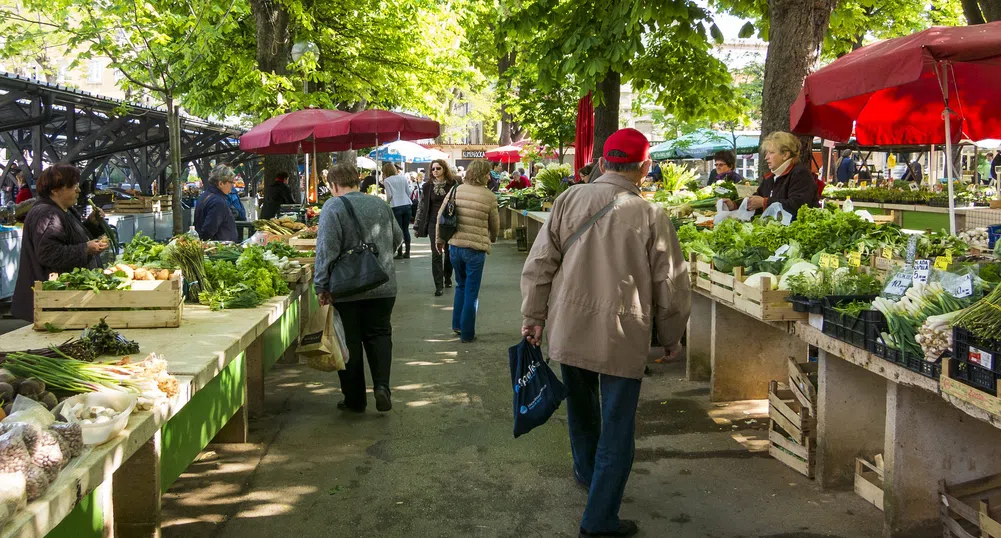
{"x": 783, "y": 168}
{"x": 439, "y": 188}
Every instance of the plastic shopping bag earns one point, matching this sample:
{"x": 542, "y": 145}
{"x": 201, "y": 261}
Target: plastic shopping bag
{"x": 741, "y": 213}
{"x": 776, "y": 211}
{"x": 323, "y": 341}
{"x": 537, "y": 390}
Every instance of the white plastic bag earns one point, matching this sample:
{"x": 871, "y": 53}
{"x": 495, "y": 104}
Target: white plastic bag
{"x": 776, "y": 211}
{"x": 741, "y": 213}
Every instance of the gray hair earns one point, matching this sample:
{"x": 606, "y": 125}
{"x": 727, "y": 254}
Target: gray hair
{"x": 622, "y": 167}
{"x": 219, "y": 174}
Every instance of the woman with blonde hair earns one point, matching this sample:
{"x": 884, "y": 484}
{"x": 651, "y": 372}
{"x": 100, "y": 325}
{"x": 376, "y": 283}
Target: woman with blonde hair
{"x": 477, "y": 222}
{"x": 432, "y": 198}
{"x": 789, "y": 183}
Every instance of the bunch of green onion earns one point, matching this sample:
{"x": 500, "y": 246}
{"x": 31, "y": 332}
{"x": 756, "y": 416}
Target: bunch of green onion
{"x": 905, "y": 317}
{"x": 983, "y": 319}
{"x": 70, "y": 375}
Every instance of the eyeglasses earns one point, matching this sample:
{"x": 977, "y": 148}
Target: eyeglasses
{"x": 436, "y": 169}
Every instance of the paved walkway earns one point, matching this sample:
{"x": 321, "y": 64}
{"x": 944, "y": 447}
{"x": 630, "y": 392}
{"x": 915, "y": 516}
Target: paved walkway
{"x": 444, "y": 462}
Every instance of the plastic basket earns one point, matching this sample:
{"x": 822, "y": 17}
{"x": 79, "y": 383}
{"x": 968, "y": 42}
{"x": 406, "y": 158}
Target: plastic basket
{"x": 915, "y": 363}
{"x": 993, "y": 234}
{"x": 974, "y": 376}
{"x": 983, "y": 352}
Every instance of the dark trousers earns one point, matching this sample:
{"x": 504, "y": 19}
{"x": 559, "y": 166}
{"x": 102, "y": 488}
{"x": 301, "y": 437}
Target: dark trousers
{"x": 601, "y": 414}
{"x": 403, "y": 214}
{"x": 367, "y": 326}
{"x": 441, "y": 264}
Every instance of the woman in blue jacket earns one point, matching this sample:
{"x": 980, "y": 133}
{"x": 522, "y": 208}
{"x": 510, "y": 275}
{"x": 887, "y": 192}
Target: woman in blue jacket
{"x": 213, "y": 219}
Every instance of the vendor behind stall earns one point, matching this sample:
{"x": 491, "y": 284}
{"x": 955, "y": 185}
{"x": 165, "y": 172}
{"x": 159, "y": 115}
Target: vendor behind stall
{"x": 55, "y": 239}
{"x": 789, "y": 183}
{"x": 213, "y": 219}
{"x": 276, "y": 195}
{"x": 725, "y": 162}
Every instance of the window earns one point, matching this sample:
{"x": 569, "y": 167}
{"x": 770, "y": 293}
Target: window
{"x": 95, "y": 71}
{"x": 63, "y": 72}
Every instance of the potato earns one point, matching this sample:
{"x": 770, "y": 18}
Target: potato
{"x": 142, "y": 274}
{"x": 163, "y": 274}
{"x": 129, "y": 272}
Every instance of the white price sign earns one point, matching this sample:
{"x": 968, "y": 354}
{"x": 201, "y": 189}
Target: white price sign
{"x": 782, "y": 250}
{"x": 922, "y": 268}
{"x": 899, "y": 285}
{"x": 961, "y": 287}
{"x": 981, "y": 358}
{"x": 721, "y": 190}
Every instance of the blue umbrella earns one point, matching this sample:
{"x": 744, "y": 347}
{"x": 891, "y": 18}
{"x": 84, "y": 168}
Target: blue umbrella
{"x": 403, "y": 151}
{"x": 702, "y": 144}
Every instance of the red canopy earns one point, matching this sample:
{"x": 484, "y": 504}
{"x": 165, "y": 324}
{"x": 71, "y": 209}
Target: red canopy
{"x": 504, "y": 154}
{"x": 584, "y": 138}
{"x": 892, "y": 90}
{"x": 285, "y": 133}
{"x": 371, "y": 127}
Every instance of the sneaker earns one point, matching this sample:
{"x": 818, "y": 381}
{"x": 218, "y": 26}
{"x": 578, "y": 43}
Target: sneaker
{"x": 448, "y": 283}
{"x": 626, "y": 528}
{"x": 382, "y": 401}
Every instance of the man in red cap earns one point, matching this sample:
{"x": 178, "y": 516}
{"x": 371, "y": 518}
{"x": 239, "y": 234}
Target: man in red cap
{"x": 606, "y": 266}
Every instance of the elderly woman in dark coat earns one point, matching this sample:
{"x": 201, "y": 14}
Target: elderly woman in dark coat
{"x": 213, "y": 219}
{"x": 56, "y": 239}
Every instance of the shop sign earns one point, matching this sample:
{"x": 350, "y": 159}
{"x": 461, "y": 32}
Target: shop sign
{"x": 474, "y": 154}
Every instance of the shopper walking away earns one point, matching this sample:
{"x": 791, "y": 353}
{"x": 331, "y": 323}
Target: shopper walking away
{"x": 347, "y": 220}
{"x": 574, "y": 284}
{"x": 433, "y": 195}
{"x": 398, "y": 194}
{"x": 478, "y": 223}
{"x": 275, "y": 195}
{"x": 213, "y": 219}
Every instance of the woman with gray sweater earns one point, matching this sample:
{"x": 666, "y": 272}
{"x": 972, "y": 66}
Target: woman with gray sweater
{"x": 348, "y": 219}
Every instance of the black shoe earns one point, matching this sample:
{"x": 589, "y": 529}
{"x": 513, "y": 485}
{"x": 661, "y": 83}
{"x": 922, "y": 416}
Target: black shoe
{"x": 439, "y": 292}
{"x": 343, "y": 406}
{"x": 457, "y": 331}
{"x": 626, "y": 528}
{"x": 406, "y": 255}
{"x": 448, "y": 283}
{"x": 382, "y": 401}
{"x": 398, "y": 257}
{"x": 473, "y": 339}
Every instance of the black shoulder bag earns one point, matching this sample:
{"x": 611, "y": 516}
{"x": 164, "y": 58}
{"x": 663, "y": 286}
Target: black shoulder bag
{"x": 448, "y": 222}
{"x": 357, "y": 269}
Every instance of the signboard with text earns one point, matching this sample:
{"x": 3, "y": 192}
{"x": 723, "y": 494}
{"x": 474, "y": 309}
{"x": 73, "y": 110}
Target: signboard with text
{"x": 474, "y": 154}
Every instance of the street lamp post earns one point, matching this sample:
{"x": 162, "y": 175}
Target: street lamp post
{"x": 299, "y": 51}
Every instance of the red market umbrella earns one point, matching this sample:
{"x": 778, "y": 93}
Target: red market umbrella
{"x": 283, "y": 134}
{"x": 584, "y": 138}
{"x": 504, "y": 154}
{"x": 897, "y": 92}
{"x": 370, "y": 127}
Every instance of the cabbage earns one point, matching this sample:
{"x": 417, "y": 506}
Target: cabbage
{"x": 804, "y": 268}
{"x": 754, "y": 281}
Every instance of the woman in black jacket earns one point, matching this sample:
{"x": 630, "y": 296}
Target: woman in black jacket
{"x": 789, "y": 183}
{"x": 55, "y": 239}
{"x": 433, "y": 196}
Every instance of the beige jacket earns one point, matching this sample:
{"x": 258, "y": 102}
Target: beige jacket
{"x": 478, "y": 219}
{"x": 599, "y": 302}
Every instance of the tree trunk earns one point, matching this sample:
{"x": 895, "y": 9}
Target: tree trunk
{"x": 606, "y": 114}
{"x": 981, "y": 11}
{"x": 273, "y": 53}
{"x": 796, "y": 35}
{"x": 174, "y": 150}
{"x": 509, "y": 129}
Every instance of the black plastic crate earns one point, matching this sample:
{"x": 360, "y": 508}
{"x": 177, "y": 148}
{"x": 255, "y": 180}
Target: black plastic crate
{"x": 974, "y": 376}
{"x": 850, "y": 329}
{"x": 986, "y": 351}
{"x": 801, "y": 303}
{"x": 915, "y": 363}
{"x": 876, "y": 326}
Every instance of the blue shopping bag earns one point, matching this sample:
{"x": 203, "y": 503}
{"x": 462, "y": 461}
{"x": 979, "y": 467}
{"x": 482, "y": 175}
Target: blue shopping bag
{"x": 537, "y": 390}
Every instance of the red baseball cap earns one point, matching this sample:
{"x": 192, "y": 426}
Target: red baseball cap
{"x": 629, "y": 141}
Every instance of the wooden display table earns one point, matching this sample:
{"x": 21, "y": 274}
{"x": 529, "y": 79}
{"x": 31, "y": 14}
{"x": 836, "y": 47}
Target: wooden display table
{"x": 219, "y": 359}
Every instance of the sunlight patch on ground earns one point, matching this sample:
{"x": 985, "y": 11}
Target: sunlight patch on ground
{"x": 752, "y": 444}
{"x": 434, "y": 341}
{"x": 418, "y": 403}
{"x": 730, "y": 412}
{"x": 412, "y": 386}
{"x": 449, "y": 353}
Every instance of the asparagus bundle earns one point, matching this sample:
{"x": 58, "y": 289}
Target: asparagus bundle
{"x": 983, "y": 319}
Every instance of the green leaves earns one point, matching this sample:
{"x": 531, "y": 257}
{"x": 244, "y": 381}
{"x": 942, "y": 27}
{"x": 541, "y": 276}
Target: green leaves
{"x": 746, "y": 31}
{"x": 716, "y": 33}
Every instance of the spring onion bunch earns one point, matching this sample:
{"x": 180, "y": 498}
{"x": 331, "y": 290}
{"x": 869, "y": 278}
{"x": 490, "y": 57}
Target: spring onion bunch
{"x": 983, "y": 319}
{"x": 189, "y": 255}
{"x": 905, "y": 316}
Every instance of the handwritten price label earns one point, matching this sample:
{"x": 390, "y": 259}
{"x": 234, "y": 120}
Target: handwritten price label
{"x": 887, "y": 253}
{"x": 855, "y": 259}
{"x": 922, "y": 268}
{"x": 961, "y": 287}
{"x": 942, "y": 263}
{"x": 829, "y": 261}
{"x": 899, "y": 284}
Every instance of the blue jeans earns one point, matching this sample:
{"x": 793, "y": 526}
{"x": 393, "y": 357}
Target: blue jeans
{"x": 468, "y": 266}
{"x": 601, "y": 414}
{"x": 403, "y": 214}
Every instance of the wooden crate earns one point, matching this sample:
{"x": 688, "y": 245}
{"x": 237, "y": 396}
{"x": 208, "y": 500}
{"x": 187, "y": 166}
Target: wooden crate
{"x": 137, "y": 205}
{"x": 764, "y": 304}
{"x": 149, "y": 304}
{"x": 722, "y": 286}
{"x": 970, "y": 509}
{"x": 803, "y": 377}
{"x": 271, "y": 238}
{"x": 304, "y": 261}
{"x": 302, "y": 244}
{"x": 791, "y": 430}
{"x": 703, "y": 271}
{"x": 971, "y": 395}
{"x": 869, "y": 482}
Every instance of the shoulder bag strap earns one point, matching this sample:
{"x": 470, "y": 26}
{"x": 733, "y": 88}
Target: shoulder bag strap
{"x": 351, "y": 211}
{"x": 594, "y": 218}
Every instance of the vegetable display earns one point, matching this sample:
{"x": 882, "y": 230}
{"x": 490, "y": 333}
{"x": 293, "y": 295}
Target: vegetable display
{"x": 142, "y": 250}
{"x": 188, "y": 254}
{"x": 906, "y": 315}
{"x": 88, "y": 279}
{"x": 283, "y": 226}
{"x": 983, "y": 319}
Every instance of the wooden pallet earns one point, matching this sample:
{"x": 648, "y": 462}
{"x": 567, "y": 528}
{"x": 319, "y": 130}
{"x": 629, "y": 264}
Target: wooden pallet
{"x": 969, "y": 509}
{"x": 149, "y": 304}
{"x": 764, "y": 304}
{"x": 869, "y": 482}
{"x": 803, "y": 378}
{"x": 791, "y": 430}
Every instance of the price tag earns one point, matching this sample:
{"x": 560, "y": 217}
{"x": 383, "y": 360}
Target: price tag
{"x": 887, "y": 253}
{"x": 782, "y": 250}
{"x": 899, "y": 284}
{"x": 855, "y": 259}
{"x": 721, "y": 190}
{"x": 981, "y": 357}
{"x": 961, "y": 287}
{"x": 914, "y": 186}
{"x": 863, "y": 184}
{"x": 829, "y": 261}
{"x": 912, "y": 248}
{"x": 922, "y": 268}
{"x": 948, "y": 256}
{"x": 942, "y": 263}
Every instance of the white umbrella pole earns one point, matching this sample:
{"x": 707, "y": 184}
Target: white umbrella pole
{"x": 943, "y": 79}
